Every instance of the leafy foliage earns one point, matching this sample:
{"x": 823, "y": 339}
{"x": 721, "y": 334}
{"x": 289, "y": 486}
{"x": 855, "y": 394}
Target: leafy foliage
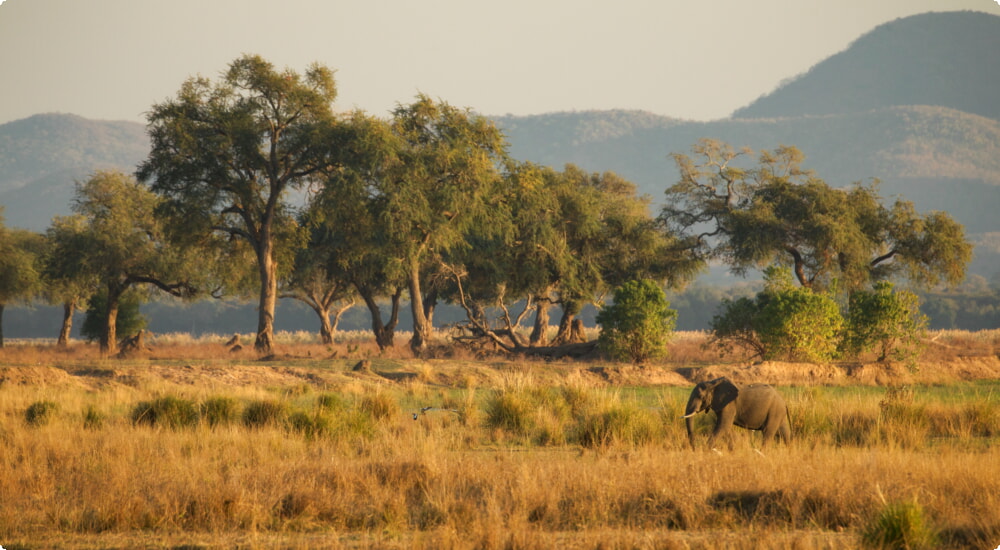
{"x": 638, "y": 325}
{"x": 781, "y": 213}
{"x": 886, "y": 321}
{"x": 782, "y": 321}
{"x": 225, "y": 156}
{"x": 129, "y": 320}
{"x": 126, "y": 245}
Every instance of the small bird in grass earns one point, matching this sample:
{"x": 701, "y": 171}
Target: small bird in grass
{"x": 424, "y": 410}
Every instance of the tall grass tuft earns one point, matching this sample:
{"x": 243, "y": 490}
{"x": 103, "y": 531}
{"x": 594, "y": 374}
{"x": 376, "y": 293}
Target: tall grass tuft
{"x": 93, "y": 419}
{"x": 167, "y": 411}
{"x": 510, "y": 411}
{"x": 900, "y": 525}
{"x": 264, "y": 413}
{"x": 617, "y": 425}
{"x": 379, "y": 406}
{"x": 40, "y": 413}
{"x": 219, "y": 411}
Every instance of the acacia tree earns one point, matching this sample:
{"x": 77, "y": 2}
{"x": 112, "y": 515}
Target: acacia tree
{"x": 778, "y": 212}
{"x": 313, "y": 283}
{"x": 225, "y": 155}
{"x": 348, "y": 219}
{"x": 448, "y": 167}
{"x": 561, "y": 237}
{"x": 611, "y": 238}
{"x": 125, "y": 245}
{"x": 64, "y": 283}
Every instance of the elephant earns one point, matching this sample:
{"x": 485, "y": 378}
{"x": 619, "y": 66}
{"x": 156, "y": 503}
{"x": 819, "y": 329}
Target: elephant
{"x": 753, "y": 407}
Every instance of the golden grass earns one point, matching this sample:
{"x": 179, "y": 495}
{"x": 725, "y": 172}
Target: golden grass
{"x": 349, "y": 460}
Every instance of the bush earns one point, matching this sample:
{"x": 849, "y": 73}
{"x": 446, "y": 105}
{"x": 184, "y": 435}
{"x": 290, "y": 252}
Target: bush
{"x": 782, "y": 322}
{"x": 900, "y": 525}
{"x": 129, "y": 320}
{"x": 168, "y": 411}
{"x": 638, "y": 325}
{"x": 886, "y": 321}
{"x": 40, "y": 412}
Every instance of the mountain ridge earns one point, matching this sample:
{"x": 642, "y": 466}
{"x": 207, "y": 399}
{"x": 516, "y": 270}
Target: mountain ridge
{"x": 940, "y": 58}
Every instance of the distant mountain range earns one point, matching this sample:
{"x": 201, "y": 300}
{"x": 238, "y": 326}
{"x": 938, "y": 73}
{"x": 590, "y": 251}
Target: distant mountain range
{"x": 914, "y": 103}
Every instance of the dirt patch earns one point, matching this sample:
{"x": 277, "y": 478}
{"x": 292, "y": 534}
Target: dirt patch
{"x": 36, "y": 376}
{"x": 639, "y": 376}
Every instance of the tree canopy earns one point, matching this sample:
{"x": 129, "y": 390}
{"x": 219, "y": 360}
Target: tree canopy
{"x": 124, "y": 245}
{"x": 226, "y": 155}
{"x": 20, "y": 266}
{"x": 779, "y": 212}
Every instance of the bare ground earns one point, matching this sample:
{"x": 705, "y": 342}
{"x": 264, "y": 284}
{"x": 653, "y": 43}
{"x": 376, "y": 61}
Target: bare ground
{"x": 335, "y": 373}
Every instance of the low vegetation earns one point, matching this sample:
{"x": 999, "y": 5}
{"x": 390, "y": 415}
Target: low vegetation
{"x": 192, "y": 446}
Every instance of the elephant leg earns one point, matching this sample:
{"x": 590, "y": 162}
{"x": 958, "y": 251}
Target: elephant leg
{"x": 770, "y": 429}
{"x": 784, "y": 431}
{"x": 723, "y": 423}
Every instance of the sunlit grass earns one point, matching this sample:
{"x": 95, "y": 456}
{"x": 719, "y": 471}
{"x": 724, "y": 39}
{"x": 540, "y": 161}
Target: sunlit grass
{"x": 508, "y": 453}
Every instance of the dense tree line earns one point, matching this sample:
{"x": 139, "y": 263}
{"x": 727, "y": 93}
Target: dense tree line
{"x": 256, "y": 186}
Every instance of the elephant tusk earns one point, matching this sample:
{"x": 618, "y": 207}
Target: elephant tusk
{"x": 690, "y": 415}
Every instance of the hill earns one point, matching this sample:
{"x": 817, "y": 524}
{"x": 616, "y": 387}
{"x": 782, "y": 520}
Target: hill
{"x": 945, "y": 59}
{"x": 41, "y": 156}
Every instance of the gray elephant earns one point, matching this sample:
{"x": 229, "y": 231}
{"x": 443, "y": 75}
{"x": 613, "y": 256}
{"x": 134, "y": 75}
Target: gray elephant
{"x": 754, "y": 407}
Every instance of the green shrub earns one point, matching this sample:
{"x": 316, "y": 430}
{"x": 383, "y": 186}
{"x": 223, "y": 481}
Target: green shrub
{"x": 219, "y": 411}
{"x": 129, "y": 320}
{"x": 40, "y": 413}
{"x": 167, "y": 411}
{"x": 885, "y": 321}
{"x": 782, "y": 322}
{"x": 263, "y": 413}
{"x": 638, "y": 324}
{"x": 900, "y": 525}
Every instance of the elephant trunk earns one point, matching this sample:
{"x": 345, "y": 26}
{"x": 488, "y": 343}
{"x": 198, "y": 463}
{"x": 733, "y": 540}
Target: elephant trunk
{"x": 690, "y": 411}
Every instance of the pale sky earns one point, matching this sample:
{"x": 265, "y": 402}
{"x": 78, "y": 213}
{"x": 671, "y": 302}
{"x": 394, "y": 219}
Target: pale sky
{"x": 691, "y": 59}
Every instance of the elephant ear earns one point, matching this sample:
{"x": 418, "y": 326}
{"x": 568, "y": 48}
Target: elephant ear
{"x": 725, "y": 392}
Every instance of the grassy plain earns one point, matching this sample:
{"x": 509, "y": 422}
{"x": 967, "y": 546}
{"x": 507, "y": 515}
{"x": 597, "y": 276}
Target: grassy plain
{"x": 189, "y": 445}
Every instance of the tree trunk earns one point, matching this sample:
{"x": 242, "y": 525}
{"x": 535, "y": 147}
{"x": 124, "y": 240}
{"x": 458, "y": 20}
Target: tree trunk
{"x": 325, "y": 328}
{"x": 421, "y": 326}
{"x": 69, "y": 308}
{"x": 539, "y": 336}
{"x": 268, "y": 297}
{"x": 335, "y": 322}
{"x": 384, "y": 332}
{"x": 109, "y": 333}
{"x": 565, "y": 334}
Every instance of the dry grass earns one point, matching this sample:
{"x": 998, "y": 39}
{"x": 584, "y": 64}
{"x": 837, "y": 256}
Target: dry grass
{"x": 520, "y": 454}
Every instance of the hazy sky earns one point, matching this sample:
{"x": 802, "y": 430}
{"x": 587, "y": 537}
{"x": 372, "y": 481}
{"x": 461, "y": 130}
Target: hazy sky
{"x": 693, "y": 59}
